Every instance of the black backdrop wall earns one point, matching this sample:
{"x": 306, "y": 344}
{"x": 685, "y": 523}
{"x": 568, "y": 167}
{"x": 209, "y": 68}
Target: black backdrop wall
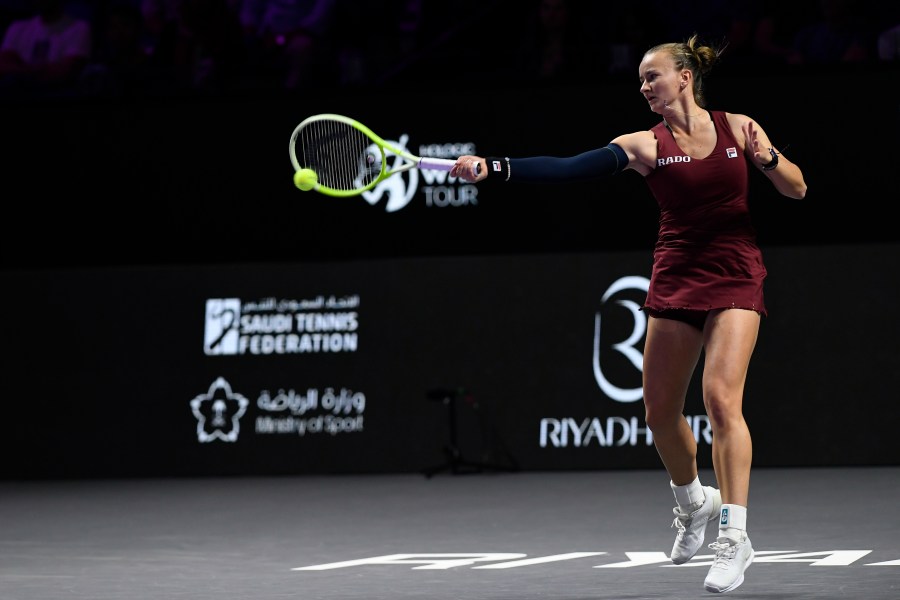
{"x": 344, "y": 366}
{"x": 207, "y": 180}
{"x": 134, "y": 232}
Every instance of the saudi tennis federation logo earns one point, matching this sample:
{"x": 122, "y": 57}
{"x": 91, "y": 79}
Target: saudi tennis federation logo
{"x": 219, "y": 412}
{"x": 222, "y": 332}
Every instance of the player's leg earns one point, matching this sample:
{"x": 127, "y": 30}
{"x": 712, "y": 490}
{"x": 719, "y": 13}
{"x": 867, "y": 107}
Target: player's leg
{"x": 730, "y": 337}
{"x": 671, "y": 351}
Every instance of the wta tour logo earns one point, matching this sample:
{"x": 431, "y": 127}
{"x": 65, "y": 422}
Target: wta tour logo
{"x": 219, "y": 412}
{"x": 399, "y": 189}
{"x": 440, "y": 190}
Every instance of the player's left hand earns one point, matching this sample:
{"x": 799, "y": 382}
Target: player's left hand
{"x": 759, "y": 152}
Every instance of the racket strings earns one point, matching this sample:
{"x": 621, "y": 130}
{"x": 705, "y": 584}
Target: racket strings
{"x": 342, "y": 156}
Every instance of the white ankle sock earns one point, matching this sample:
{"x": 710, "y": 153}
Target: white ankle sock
{"x": 689, "y": 495}
{"x": 733, "y": 522}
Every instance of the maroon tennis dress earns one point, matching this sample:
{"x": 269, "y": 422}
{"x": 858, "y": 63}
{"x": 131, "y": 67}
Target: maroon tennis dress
{"x": 706, "y": 256}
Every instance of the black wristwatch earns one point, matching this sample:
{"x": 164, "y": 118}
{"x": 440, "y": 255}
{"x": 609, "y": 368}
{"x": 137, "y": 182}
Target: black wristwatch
{"x": 773, "y": 163}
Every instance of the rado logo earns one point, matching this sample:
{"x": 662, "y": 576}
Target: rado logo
{"x": 669, "y": 160}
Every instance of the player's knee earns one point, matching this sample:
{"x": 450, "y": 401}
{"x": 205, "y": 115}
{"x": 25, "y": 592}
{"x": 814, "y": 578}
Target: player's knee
{"x": 661, "y": 417}
{"x": 723, "y": 412}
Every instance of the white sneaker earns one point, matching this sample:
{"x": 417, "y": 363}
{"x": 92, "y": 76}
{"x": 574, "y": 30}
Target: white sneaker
{"x": 727, "y": 570}
{"x": 692, "y": 526}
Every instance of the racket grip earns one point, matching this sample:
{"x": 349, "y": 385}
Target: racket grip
{"x": 436, "y": 164}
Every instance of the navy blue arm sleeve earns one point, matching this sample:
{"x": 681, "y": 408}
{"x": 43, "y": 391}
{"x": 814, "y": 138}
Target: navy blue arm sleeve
{"x": 593, "y": 164}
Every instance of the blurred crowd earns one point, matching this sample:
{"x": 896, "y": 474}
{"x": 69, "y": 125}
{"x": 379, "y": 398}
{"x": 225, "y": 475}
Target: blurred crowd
{"x": 133, "y": 48}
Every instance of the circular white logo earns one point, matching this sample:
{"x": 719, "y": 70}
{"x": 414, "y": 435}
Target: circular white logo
{"x": 627, "y": 347}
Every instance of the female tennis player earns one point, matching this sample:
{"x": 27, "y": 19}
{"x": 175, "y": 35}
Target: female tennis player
{"x": 706, "y": 286}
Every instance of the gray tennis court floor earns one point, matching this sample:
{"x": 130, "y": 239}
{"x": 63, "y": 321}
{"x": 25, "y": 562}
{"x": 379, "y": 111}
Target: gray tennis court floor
{"x": 818, "y": 533}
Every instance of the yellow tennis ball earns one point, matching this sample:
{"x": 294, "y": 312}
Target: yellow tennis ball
{"x": 305, "y": 179}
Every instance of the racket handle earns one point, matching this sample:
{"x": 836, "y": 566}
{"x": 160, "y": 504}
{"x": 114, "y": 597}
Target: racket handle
{"x": 436, "y": 164}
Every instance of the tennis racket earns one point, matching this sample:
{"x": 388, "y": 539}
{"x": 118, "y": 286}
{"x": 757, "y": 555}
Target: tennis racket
{"x": 339, "y": 156}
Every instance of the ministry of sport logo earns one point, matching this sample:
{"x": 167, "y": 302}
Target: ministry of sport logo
{"x": 218, "y": 412}
{"x": 312, "y": 411}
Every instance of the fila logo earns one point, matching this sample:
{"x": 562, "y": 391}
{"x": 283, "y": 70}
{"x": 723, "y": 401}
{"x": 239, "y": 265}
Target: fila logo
{"x": 495, "y": 165}
{"x": 731, "y": 152}
{"x": 724, "y": 519}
